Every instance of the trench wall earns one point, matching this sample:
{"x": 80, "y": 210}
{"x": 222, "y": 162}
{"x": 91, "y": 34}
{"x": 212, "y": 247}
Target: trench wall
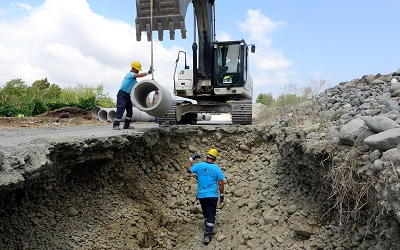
{"x": 132, "y": 191}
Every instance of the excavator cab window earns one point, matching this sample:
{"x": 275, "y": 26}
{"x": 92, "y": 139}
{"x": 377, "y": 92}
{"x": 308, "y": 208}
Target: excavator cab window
{"x": 229, "y": 72}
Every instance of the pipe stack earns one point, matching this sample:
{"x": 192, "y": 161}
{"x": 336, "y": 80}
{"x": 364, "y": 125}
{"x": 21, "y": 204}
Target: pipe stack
{"x": 108, "y": 115}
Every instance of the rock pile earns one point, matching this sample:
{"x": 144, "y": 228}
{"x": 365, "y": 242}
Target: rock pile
{"x": 353, "y": 131}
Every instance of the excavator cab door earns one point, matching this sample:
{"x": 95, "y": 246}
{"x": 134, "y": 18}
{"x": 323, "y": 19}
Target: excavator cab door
{"x": 230, "y": 64}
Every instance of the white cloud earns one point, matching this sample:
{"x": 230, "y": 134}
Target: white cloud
{"x": 259, "y": 25}
{"x": 68, "y": 43}
{"x": 224, "y": 36}
{"x": 268, "y": 66}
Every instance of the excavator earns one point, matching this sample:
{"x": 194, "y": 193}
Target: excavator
{"x": 219, "y": 81}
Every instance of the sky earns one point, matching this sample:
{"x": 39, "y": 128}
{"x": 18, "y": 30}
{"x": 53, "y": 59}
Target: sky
{"x": 93, "y": 42}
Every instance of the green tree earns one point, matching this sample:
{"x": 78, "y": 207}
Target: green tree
{"x": 15, "y": 87}
{"x": 53, "y": 92}
{"x": 38, "y": 89}
{"x": 40, "y": 85}
{"x": 265, "y": 99}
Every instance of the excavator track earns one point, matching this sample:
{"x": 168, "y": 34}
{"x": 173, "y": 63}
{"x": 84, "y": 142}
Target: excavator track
{"x": 169, "y": 117}
{"x": 242, "y": 112}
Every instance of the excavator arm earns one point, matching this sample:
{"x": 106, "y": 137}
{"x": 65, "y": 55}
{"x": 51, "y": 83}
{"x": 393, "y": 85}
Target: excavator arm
{"x": 170, "y": 15}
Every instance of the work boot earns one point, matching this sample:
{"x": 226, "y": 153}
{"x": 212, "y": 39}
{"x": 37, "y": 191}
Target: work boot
{"x": 116, "y": 125}
{"x": 127, "y": 123}
{"x": 207, "y": 234}
{"x": 206, "y": 240}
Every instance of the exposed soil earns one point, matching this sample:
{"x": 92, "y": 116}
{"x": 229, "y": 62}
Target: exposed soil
{"x": 65, "y": 116}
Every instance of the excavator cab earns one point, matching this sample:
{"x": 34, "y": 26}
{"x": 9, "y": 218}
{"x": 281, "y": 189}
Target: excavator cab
{"x": 231, "y": 64}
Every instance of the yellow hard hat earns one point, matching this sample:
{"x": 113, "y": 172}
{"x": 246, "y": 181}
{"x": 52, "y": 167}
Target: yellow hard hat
{"x": 213, "y": 153}
{"x": 136, "y": 65}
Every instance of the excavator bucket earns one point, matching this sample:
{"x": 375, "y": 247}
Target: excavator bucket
{"x": 167, "y": 15}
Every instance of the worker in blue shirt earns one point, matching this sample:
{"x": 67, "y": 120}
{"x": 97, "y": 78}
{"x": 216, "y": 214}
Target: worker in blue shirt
{"x": 210, "y": 181}
{"x": 124, "y": 101}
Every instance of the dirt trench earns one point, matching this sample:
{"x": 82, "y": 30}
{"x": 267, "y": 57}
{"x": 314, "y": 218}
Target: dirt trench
{"x": 132, "y": 192}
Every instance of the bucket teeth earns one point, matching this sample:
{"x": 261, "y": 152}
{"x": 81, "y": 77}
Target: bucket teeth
{"x": 167, "y": 15}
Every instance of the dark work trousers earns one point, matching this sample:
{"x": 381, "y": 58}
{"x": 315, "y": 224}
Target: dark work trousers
{"x": 209, "y": 207}
{"x": 124, "y": 102}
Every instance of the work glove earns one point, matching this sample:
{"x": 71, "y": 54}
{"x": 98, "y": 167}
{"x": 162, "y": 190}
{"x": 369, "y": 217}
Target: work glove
{"x": 150, "y": 70}
{"x": 194, "y": 157}
{"x": 221, "y": 198}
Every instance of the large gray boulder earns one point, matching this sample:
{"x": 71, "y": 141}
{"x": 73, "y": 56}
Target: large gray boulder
{"x": 380, "y": 123}
{"x": 349, "y": 132}
{"x": 385, "y": 140}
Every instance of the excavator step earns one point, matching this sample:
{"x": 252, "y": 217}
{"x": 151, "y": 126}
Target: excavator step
{"x": 167, "y": 15}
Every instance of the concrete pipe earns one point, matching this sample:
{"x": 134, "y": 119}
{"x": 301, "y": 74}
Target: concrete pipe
{"x": 139, "y": 95}
{"x": 111, "y": 115}
{"x": 140, "y": 116}
{"x": 95, "y": 112}
{"x": 103, "y": 114}
{"x": 203, "y": 117}
{"x": 137, "y": 116}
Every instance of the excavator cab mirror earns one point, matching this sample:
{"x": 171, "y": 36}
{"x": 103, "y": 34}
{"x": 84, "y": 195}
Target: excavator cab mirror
{"x": 253, "y": 48}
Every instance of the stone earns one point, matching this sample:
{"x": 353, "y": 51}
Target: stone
{"x": 385, "y": 140}
{"x": 192, "y": 149}
{"x": 292, "y": 209}
{"x": 349, "y": 132}
{"x": 303, "y": 229}
{"x": 72, "y": 211}
{"x": 380, "y": 123}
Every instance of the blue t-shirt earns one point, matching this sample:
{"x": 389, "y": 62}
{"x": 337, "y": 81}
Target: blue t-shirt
{"x": 208, "y": 175}
{"x": 128, "y": 82}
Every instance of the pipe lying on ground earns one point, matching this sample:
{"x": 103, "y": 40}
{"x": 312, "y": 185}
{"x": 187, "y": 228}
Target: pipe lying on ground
{"x": 137, "y": 116}
{"x": 139, "y": 98}
{"x": 108, "y": 115}
{"x": 95, "y": 112}
{"x": 103, "y": 113}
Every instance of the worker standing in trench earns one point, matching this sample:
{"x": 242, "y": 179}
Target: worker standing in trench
{"x": 210, "y": 180}
{"x": 124, "y": 101}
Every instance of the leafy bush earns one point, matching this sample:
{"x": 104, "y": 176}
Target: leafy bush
{"x": 56, "y": 105}
{"x": 87, "y": 103}
{"x": 105, "y": 102}
{"x": 265, "y": 99}
{"x": 38, "y": 107}
{"x": 7, "y": 109}
{"x": 16, "y": 97}
{"x": 286, "y": 100}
